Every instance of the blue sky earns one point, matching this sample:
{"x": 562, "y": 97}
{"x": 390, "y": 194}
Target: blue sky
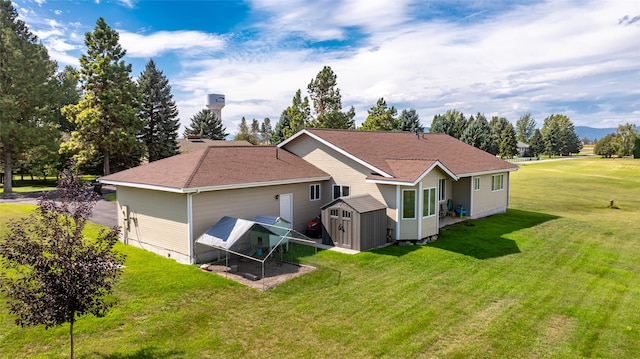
{"x": 506, "y": 58}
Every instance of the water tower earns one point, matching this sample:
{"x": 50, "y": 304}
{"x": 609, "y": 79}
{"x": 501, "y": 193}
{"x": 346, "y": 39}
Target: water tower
{"x": 215, "y": 103}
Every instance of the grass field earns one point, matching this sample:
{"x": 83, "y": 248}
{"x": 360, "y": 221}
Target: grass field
{"x": 558, "y": 276}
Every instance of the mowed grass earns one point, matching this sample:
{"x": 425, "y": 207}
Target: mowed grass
{"x": 558, "y": 276}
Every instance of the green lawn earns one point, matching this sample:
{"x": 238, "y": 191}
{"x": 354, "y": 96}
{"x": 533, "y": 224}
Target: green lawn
{"x": 558, "y": 276}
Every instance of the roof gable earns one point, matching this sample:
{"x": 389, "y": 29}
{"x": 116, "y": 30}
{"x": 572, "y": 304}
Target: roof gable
{"x": 218, "y": 168}
{"x": 406, "y": 155}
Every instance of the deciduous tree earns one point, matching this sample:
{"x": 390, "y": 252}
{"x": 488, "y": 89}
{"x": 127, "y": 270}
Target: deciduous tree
{"x": 159, "y": 114}
{"x": 606, "y": 147}
{"x": 626, "y": 137}
{"x": 525, "y": 126}
{"x": 51, "y": 273}
{"x": 107, "y": 116}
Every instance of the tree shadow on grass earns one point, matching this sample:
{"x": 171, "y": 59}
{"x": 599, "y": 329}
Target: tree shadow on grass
{"x": 145, "y": 353}
{"x": 485, "y": 238}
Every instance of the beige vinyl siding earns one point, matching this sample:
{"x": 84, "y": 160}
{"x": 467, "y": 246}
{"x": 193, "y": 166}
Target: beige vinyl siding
{"x": 345, "y": 172}
{"x": 157, "y": 218}
{"x": 429, "y": 225}
{"x": 487, "y": 202}
{"x": 247, "y": 203}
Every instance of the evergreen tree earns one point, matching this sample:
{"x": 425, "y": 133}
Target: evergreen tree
{"x": 327, "y": 102}
{"x": 536, "y": 144}
{"x": 452, "y": 122}
{"x": 159, "y": 114}
{"x": 497, "y": 125}
{"x": 27, "y": 89}
{"x": 299, "y": 114}
{"x": 243, "y": 132}
{"x": 278, "y": 135}
{"x": 508, "y": 142}
{"x": 478, "y": 133}
{"x": 254, "y": 132}
{"x": 107, "y": 116}
{"x": 265, "y": 131}
{"x": 410, "y": 121}
{"x": 205, "y": 124}
{"x": 525, "y": 126}
{"x": 559, "y": 136}
{"x": 381, "y": 118}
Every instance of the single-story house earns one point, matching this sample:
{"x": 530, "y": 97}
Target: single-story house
{"x": 164, "y": 206}
{"x": 414, "y": 175}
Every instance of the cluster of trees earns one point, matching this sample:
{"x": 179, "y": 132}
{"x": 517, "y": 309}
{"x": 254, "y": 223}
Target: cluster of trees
{"x": 326, "y": 102}
{"x": 625, "y": 142}
{"x": 499, "y": 137}
{"x": 96, "y": 114}
{"x": 258, "y": 134}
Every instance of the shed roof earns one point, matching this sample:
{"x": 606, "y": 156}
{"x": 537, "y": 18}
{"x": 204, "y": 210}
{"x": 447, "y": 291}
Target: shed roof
{"x": 406, "y": 155}
{"x": 361, "y": 203}
{"x": 215, "y": 168}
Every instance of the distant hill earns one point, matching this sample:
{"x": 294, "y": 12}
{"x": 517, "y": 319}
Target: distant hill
{"x": 593, "y": 133}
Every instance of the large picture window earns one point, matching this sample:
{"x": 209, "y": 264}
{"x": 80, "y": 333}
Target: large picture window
{"x": 497, "y": 182}
{"x": 429, "y": 202}
{"x": 442, "y": 190}
{"x": 340, "y": 191}
{"x": 314, "y": 192}
{"x": 409, "y": 204}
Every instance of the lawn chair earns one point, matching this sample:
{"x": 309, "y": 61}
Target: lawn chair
{"x": 450, "y": 207}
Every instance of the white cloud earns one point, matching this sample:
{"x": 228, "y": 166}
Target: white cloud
{"x": 186, "y": 42}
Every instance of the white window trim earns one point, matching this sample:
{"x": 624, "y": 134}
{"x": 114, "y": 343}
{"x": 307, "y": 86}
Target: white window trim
{"x": 311, "y": 191}
{"x": 476, "y": 183}
{"x": 493, "y": 182}
{"x": 442, "y": 190}
{"x": 436, "y": 202}
{"x": 415, "y": 205}
{"x": 341, "y": 191}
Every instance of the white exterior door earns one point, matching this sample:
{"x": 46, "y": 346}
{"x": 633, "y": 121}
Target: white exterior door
{"x": 286, "y": 207}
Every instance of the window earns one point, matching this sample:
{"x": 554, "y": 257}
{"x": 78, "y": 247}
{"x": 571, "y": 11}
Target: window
{"x": 476, "y": 183}
{"x": 497, "y": 182}
{"x": 340, "y": 191}
{"x": 409, "y": 204}
{"x": 314, "y": 192}
{"x": 429, "y": 202}
{"x": 442, "y": 189}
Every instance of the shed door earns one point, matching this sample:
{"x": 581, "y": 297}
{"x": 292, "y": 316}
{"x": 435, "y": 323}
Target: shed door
{"x": 286, "y": 207}
{"x": 341, "y": 226}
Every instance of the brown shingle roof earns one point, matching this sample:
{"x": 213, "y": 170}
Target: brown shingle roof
{"x": 225, "y": 167}
{"x": 405, "y": 155}
{"x": 194, "y": 144}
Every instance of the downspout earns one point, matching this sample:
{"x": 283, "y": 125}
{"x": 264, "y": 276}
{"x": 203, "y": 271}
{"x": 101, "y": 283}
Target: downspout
{"x": 471, "y": 185}
{"x": 192, "y": 258}
{"x": 397, "y": 234}
{"x": 420, "y": 208}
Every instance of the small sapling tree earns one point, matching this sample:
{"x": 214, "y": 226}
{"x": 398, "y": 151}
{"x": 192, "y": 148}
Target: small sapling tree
{"x": 50, "y": 273}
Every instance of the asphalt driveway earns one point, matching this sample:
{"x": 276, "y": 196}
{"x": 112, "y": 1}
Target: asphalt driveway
{"x": 104, "y": 212}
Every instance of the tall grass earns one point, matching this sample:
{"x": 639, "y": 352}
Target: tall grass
{"x": 557, "y": 276}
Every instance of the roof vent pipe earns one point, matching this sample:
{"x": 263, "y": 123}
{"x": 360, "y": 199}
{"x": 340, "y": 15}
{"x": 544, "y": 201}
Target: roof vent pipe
{"x": 276, "y": 153}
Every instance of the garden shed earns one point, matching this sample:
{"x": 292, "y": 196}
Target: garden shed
{"x": 355, "y": 222}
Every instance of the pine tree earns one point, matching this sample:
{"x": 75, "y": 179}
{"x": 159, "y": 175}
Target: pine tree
{"x": 299, "y": 114}
{"x": 244, "y": 133}
{"x": 27, "y": 88}
{"x": 508, "y": 142}
{"x": 205, "y": 124}
{"x": 497, "y": 125}
{"x": 107, "y": 116}
{"x": 159, "y": 114}
{"x": 410, "y": 121}
{"x": 452, "y": 122}
{"x": 265, "y": 131}
{"x": 327, "y": 102}
{"x": 381, "y": 118}
{"x": 478, "y": 133}
{"x": 278, "y": 134}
